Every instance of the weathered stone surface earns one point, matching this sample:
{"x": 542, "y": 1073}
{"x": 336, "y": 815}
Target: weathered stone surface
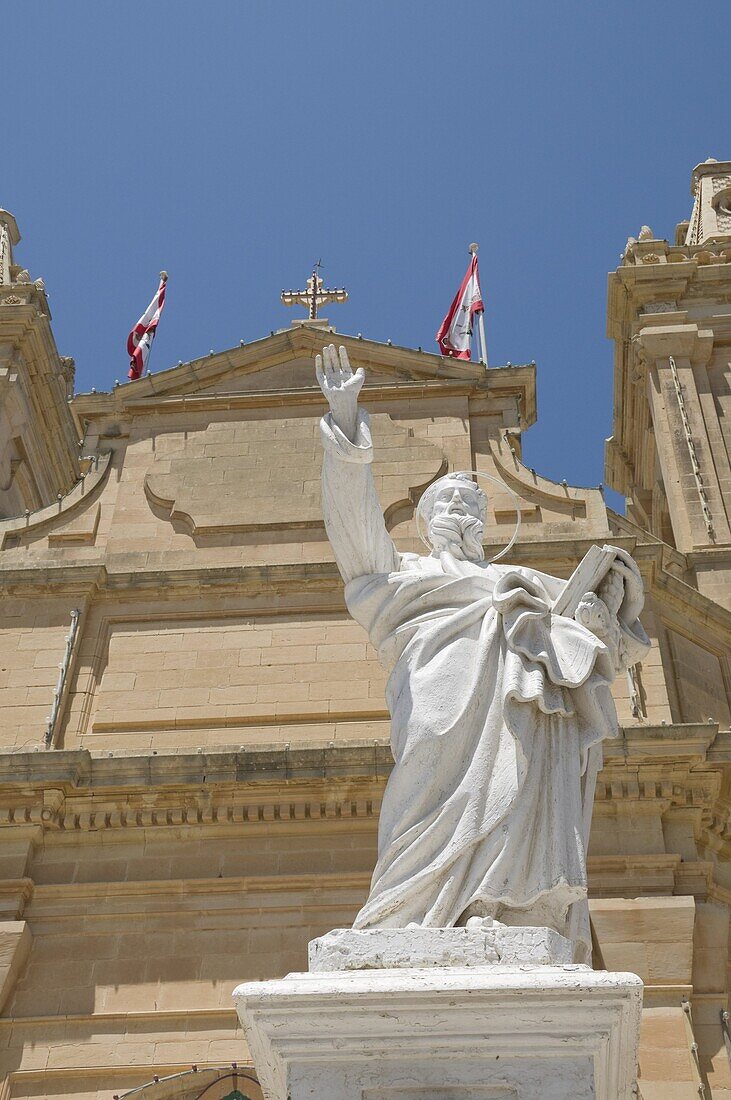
{"x": 482, "y": 1033}
{"x": 382, "y": 948}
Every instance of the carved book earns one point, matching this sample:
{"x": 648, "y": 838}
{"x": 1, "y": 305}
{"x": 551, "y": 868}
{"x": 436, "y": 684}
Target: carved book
{"x": 588, "y": 575}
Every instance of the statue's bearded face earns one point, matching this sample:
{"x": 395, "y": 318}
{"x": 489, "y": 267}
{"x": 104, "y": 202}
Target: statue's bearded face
{"x": 457, "y": 520}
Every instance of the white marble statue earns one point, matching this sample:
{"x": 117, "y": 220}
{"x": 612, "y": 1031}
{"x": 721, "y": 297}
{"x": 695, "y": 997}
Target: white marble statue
{"x": 495, "y": 700}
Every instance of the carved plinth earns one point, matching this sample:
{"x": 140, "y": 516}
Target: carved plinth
{"x": 494, "y": 1031}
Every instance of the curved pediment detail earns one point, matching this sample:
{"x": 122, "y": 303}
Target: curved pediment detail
{"x": 542, "y": 501}
{"x": 71, "y": 519}
{"x": 249, "y": 476}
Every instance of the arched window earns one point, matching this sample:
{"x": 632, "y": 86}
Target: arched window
{"x": 234, "y": 1085}
{"x": 231, "y": 1083}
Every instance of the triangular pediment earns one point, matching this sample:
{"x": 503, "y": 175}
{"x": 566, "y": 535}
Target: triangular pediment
{"x": 283, "y": 361}
{"x": 295, "y": 372}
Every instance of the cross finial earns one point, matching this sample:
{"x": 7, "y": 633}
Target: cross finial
{"x": 315, "y": 296}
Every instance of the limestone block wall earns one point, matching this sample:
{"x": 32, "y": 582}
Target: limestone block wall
{"x": 33, "y": 631}
{"x": 152, "y": 889}
{"x": 151, "y": 924}
{"x": 219, "y": 675}
{"x": 165, "y": 671}
{"x": 153, "y": 884}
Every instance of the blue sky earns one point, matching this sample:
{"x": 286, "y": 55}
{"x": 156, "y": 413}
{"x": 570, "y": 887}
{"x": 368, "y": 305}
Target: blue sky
{"x": 234, "y": 143}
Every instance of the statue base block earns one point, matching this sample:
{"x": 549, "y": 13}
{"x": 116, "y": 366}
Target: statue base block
{"x": 481, "y": 944}
{"x": 444, "y": 1032}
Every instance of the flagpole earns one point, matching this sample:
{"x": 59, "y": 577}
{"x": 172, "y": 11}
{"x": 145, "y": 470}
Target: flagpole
{"x": 481, "y": 323}
{"x": 481, "y": 318}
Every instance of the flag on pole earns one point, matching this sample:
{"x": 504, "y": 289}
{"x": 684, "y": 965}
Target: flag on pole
{"x": 140, "y": 338}
{"x": 455, "y": 333}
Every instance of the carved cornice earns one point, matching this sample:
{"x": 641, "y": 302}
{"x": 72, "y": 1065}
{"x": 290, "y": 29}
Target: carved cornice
{"x": 242, "y": 885}
{"x": 676, "y": 788}
{"x": 127, "y": 572}
{"x": 71, "y": 769}
{"x": 689, "y": 742}
{"x": 73, "y": 790}
{"x": 646, "y": 875}
{"x": 346, "y": 800}
{"x": 689, "y": 341}
{"x": 660, "y": 254}
{"x": 122, "y": 573}
{"x": 184, "y": 386}
{"x": 516, "y": 382}
{"x": 29, "y": 306}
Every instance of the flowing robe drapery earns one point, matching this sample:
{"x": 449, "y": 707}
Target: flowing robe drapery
{"x": 494, "y": 702}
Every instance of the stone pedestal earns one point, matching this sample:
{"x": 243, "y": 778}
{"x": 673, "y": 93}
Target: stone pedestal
{"x": 497, "y": 1030}
{"x": 483, "y": 943}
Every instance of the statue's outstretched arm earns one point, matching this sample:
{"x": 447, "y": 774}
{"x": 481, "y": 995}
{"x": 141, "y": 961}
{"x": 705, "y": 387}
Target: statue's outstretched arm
{"x": 350, "y": 505}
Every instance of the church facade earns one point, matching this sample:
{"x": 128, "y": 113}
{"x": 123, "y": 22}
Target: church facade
{"x": 193, "y": 735}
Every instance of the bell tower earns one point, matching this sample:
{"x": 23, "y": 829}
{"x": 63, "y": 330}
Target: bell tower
{"x": 710, "y": 222}
{"x": 9, "y": 236}
{"x": 669, "y": 314}
{"x": 39, "y": 455}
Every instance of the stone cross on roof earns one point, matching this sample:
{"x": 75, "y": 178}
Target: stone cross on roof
{"x": 315, "y": 296}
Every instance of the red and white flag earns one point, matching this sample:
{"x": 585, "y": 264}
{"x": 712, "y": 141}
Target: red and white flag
{"x": 140, "y": 338}
{"x": 455, "y": 333}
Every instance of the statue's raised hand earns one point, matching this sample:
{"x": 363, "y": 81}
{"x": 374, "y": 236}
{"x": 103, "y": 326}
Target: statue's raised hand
{"x": 340, "y": 387}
